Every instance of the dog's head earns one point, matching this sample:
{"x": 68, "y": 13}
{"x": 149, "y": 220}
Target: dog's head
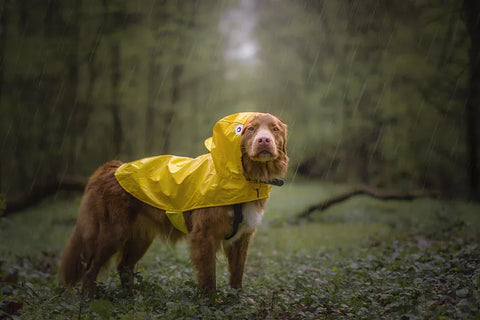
{"x": 264, "y": 148}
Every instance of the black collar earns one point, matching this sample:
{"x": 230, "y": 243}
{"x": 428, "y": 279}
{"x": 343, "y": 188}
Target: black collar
{"x": 275, "y": 181}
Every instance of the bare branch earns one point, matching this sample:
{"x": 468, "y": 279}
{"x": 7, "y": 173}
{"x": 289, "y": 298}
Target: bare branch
{"x": 366, "y": 190}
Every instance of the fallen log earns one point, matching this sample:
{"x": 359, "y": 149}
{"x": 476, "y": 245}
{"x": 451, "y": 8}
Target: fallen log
{"x": 40, "y": 191}
{"x": 366, "y": 190}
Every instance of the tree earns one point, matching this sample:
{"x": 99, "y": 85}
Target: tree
{"x": 472, "y": 20}
{"x": 375, "y": 90}
{"x": 3, "y": 31}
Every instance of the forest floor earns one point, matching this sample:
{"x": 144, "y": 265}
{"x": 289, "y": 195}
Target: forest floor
{"x": 361, "y": 259}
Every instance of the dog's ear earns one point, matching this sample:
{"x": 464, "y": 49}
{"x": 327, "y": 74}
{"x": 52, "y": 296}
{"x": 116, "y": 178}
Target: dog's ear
{"x": 282, "y": 160}
{"x": 279, "y": 119}
{"x": 284, "y": 131}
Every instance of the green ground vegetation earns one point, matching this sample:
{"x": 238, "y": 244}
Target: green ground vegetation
{"x": 361, "y": 259}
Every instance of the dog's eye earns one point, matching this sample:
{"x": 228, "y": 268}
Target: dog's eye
{"x": 251, "y": 128}
{"x": 275, "y": 128}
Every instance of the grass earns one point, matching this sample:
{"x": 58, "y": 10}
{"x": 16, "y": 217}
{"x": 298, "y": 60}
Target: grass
{"x": 361, "y": 259}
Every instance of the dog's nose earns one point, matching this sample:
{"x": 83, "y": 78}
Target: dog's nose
{"x": 264, "y": 140}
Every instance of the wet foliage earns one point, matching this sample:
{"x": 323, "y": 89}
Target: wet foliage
{"x": 400, "y": 279}
{"x": 362, "y": 259}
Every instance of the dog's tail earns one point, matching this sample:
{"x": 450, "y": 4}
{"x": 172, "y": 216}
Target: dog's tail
{"x": 71, "y": 267}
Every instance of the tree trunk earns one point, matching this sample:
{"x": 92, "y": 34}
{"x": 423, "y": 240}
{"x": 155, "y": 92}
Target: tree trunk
{"x": 115, "y": 77}
{"x": 153, "y": 91}
{"x": 177, "y": 72}
{"x": 115, "y": 101}
{"x": 472, "y": 20}
{"x": 3, "y": 35}
{"x": 92, "y": 79}
{"x": 170, "y": 114}
{"x": 71, "y": 105}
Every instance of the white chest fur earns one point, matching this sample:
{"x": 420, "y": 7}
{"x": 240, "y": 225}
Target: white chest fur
{"x": 252, "y": 217}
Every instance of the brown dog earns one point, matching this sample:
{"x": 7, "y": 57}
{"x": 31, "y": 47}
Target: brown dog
{"x": 112, "y": 221}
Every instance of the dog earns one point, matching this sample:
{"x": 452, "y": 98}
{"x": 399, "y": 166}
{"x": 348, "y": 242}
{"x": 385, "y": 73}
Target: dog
{"x": 114, "y": 220}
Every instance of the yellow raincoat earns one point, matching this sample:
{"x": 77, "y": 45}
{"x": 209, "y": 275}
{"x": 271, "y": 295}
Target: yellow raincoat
{"x": 179, "y": 184}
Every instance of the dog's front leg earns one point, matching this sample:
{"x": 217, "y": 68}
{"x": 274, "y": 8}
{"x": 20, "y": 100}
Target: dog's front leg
{"x": 236, "y": 254}
{"x": 202, "y": 254}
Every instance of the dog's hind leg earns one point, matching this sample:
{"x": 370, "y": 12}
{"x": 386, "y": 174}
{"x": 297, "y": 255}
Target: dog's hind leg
{"x": 106, "y": 245}
{"x": 133, "y": 251}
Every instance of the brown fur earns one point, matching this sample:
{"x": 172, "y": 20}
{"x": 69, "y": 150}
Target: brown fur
{"x": 112, "y": 221}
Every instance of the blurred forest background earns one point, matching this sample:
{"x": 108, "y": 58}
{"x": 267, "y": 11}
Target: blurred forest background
{"x": 379, "y": 92}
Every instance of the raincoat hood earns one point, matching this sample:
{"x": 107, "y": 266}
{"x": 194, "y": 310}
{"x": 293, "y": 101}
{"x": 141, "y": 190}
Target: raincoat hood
{"x": 178, "y": 184}
{"x": 224, "y": 145}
